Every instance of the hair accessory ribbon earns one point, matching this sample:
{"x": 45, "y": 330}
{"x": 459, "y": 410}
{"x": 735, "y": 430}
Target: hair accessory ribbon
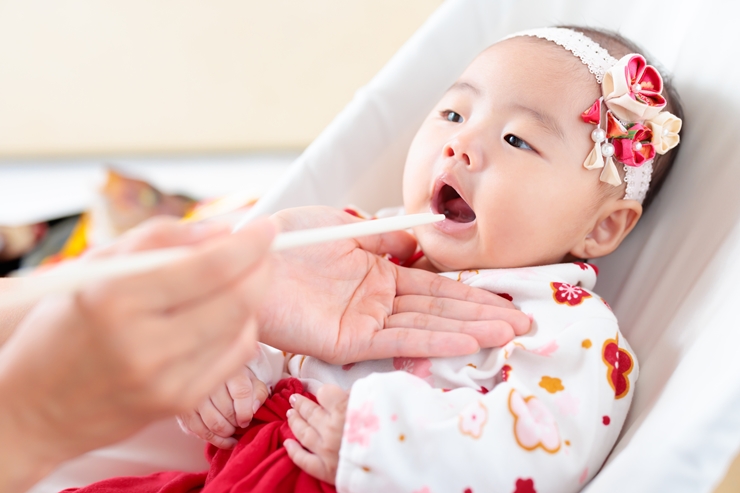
{"x": 631, "y": 124}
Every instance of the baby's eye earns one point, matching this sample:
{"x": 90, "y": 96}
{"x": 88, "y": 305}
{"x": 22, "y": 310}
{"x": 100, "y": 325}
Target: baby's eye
{"x": 515, "y": 141}
{"x": 451, "y": 116}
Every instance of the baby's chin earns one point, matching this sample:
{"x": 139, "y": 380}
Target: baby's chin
{"x": 440, "y": 259}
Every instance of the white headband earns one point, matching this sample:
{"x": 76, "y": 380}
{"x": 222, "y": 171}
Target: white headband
{"x": 635, "y": 122}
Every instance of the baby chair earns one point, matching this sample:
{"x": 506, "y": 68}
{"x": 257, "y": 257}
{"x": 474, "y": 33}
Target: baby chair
{"x": 674, "y": 282}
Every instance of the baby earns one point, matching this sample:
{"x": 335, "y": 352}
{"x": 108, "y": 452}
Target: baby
{"x": 544, "y": 152}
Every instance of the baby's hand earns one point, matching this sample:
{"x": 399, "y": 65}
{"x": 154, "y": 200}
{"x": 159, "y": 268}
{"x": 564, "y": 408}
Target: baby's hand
{"x": 319, "y": 429}
{"x": 230, "y": 406}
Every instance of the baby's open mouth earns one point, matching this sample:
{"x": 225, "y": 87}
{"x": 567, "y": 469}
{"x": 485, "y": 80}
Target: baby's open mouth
{"x": 449, "y": 203}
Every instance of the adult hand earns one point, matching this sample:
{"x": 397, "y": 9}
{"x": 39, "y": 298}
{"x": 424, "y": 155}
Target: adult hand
{"x": 85, "y": 370}
{"x": 342, "y": 303}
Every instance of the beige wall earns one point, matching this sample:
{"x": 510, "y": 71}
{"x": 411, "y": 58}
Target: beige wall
{"x": 138, "y": 76}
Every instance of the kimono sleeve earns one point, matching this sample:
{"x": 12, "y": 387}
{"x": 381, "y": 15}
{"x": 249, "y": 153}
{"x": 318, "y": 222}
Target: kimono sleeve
{"x": 268, "y": 365}
{"x": 547, "y": 424}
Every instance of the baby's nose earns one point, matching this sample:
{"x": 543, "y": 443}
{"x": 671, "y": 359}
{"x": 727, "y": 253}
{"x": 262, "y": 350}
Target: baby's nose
{"x": 450, "y": 151}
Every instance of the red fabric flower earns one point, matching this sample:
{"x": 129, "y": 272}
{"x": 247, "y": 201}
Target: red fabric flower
{"x": 619, "y": 365}
{"x": 567, "y": 294}
{"x": 632, "y": 89}
{"x": 644, "y": 82}
{"x": 632, "y": 143}
{"x": 593, "y": 114}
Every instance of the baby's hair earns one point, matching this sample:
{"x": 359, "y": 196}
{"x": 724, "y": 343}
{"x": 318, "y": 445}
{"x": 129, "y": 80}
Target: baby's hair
{"x": 618, "y": 46}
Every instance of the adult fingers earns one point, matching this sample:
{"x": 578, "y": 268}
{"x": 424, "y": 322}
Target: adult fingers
{"x": 162, "y": 232}
{"x": 207, "y": 368}
{"x": 308, "y": 462}
{"x": 192, "y": 422}
{"x": 488, "y": 333}
{"x": 460, "y": 310}
{"x": 400, "y": 244}
{"x": 224, "y": 404}
{"x": 205, "y": 329}
{"x": 389, "y": 343}
{"x": 209, "y": 267}
{"x": 421, "y": 282}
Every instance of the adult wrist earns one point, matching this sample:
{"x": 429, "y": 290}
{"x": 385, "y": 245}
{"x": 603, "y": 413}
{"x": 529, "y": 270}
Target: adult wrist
{"x": 25, "y": 456}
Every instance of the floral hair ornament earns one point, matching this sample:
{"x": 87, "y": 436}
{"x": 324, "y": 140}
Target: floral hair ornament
{"x": 631, "y": 126}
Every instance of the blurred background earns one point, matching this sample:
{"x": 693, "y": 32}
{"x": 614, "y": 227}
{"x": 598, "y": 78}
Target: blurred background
{"x": 113, "y": 111}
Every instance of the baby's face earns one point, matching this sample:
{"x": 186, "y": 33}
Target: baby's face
{"x": 501, "y": 155}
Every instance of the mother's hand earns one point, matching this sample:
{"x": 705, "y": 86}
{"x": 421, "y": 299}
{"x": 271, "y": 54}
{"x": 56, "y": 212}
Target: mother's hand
{"x": 342, "y": 303}
{"x": 81, "y": 371}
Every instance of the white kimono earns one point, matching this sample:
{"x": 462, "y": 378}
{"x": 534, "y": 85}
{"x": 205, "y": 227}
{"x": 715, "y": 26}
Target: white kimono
{"x": 537, "y": 415}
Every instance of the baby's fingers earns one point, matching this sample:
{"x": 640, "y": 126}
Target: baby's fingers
{"x": 224, "y": 404}
{"x": 242, "y": 393}
{"x": 308, "y": 462}
{"x": 333, "y": 398}
{"x": 214, "y": 420}
{"x": 306, "y": 434}
{"x": 313, "y": 413}
{"x": 191, "y": 423}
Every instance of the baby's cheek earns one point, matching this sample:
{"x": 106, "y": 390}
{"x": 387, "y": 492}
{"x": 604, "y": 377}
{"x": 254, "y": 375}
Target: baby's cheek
{"x": 415, "y": 198}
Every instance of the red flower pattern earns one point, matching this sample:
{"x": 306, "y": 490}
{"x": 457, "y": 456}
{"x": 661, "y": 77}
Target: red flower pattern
{"x": 585, "y": 266}
{"x": 619, "y": 364}
{"x": 567, "y": 294}
{"x": 505, "y": 370}
{"x": 525, "y": 486}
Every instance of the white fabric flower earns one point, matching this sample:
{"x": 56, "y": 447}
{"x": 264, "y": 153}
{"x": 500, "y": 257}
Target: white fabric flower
{"x": 665, "y": 128}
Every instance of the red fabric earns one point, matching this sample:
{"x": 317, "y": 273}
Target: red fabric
{"x": 409, "y": 261}
{"x": 258, "y": 463}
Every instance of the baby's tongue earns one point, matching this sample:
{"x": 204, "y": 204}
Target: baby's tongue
{"x": 459, "y": 211}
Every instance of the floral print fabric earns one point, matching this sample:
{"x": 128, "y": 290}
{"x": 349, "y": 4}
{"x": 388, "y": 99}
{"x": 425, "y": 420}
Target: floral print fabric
{"x": 537, "y": 415}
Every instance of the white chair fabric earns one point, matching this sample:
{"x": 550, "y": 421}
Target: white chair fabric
{"x": 673, "y": 284}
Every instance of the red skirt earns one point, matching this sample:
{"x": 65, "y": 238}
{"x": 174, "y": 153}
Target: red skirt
{"x": 257, "y": 464}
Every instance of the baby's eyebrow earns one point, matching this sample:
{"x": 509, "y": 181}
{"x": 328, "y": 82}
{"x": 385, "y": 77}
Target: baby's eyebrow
{"x": 465, "y": 86}
{"x": 546, "y": 121}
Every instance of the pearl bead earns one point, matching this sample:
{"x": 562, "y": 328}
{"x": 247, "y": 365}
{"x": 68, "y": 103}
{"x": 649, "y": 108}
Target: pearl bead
{"x": 598, "y": 135}
{"x": 636, "y": 88}
{"x": 665, "y": 132}
{"x": 637, "y": 146}
{"x": 607, "y": 150}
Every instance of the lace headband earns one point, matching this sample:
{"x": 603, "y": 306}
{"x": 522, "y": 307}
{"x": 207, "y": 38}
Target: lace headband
{"x": 636, "y": 127}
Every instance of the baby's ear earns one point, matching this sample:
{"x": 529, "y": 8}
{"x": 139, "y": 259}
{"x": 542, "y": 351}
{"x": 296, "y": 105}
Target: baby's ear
{"x": 615, "y": 221}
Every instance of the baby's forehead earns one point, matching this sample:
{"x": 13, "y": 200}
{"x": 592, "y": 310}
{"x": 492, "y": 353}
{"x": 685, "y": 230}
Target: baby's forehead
{"x": 526, "y": 68}
{"x": 537, "y": 55}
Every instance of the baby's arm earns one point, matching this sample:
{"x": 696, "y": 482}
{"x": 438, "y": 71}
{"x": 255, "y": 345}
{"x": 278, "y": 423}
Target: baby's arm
{"x": 234, "y": 402}
{"x": 547, "y": 427}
